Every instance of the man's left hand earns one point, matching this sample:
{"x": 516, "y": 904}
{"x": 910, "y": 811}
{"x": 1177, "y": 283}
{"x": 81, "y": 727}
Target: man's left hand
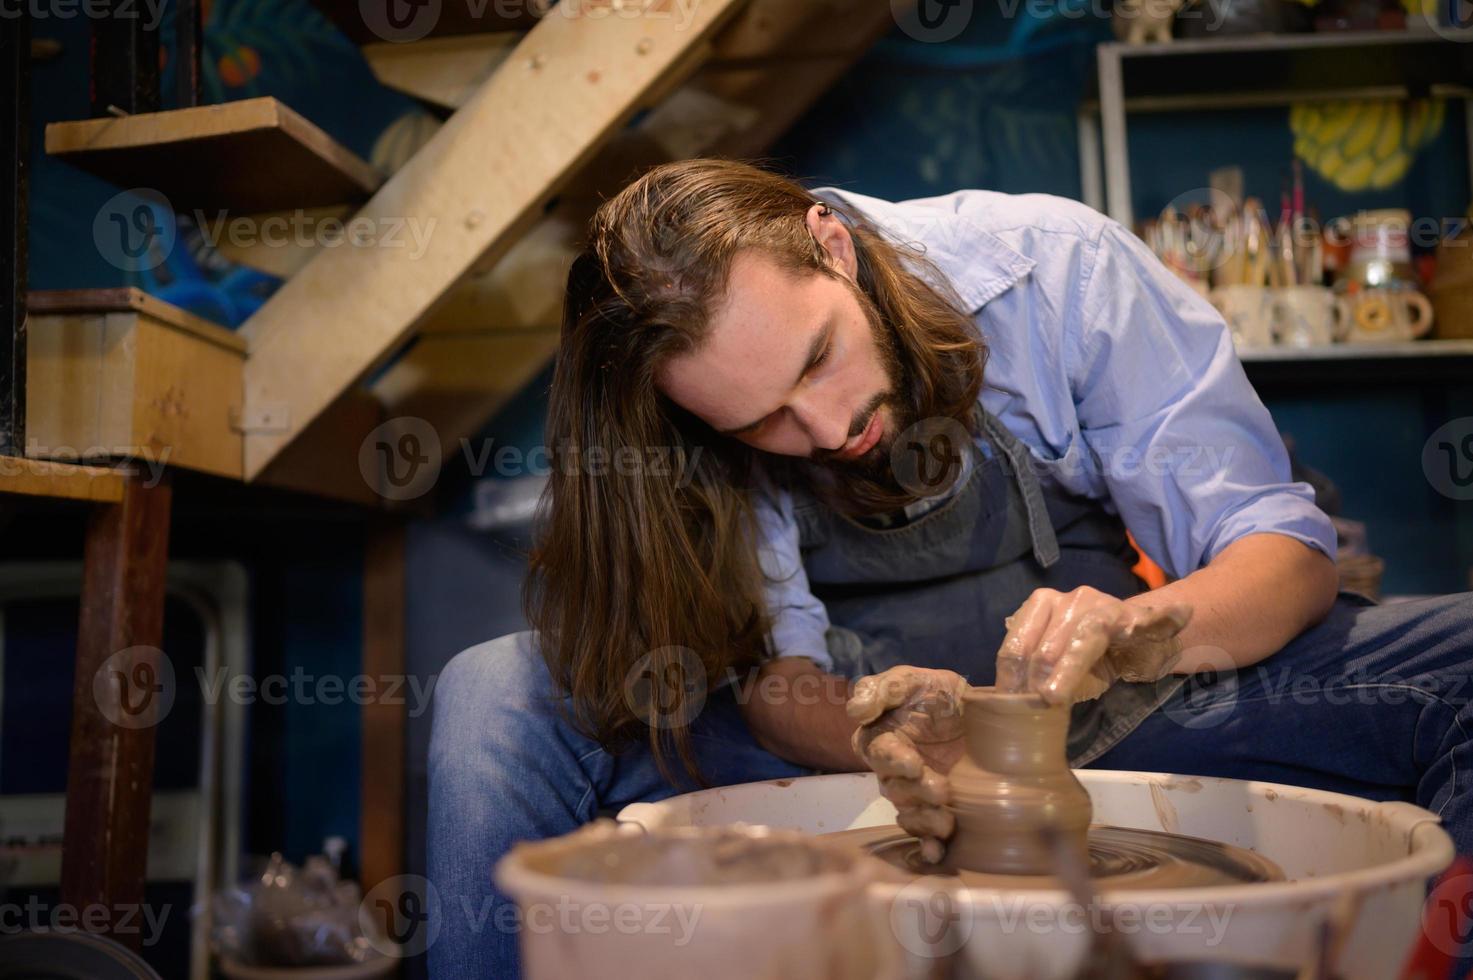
{"x": 1071, "y": 646}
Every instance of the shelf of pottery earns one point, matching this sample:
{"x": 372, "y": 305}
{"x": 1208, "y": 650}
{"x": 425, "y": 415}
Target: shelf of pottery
{"x": 1293, "y": 284}
{"x": 1299, "y": 287}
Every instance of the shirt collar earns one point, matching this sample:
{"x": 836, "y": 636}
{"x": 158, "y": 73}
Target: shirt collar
{"x": 979, "y": 265}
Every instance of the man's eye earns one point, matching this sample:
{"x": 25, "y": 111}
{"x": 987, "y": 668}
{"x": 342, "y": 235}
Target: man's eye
{"x": 823, "y": 356}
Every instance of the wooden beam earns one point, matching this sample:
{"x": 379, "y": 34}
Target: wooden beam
{"x": 67, "y": 481}
{"x": 246, "y": 157}
{"x": 483, "y": 179}
{"x": 381, "y": 818}
{"x": 325, "y": 460}
{"x": 120, "y": 686}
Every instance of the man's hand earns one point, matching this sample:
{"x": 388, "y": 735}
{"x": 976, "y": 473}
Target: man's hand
{"x": 910, "y": 734}
{"x": 1071, "y": 646}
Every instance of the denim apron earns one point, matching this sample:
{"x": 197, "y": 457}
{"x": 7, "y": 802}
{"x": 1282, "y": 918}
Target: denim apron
{"x": 934, "y": 592}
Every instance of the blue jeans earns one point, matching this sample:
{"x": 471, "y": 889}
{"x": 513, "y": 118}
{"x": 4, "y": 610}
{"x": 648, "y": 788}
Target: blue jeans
{"x": 1373, "y": 702}
{"x": 506, "y": 766}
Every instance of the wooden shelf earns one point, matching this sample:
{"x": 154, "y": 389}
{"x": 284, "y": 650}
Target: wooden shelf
{"x": 1254, "y": 70}
{"x": 65, "y": 481}
{"x": 245, "y": 157}
{"x": 1416, "y": 362}
{"x": 1314, "y": 62}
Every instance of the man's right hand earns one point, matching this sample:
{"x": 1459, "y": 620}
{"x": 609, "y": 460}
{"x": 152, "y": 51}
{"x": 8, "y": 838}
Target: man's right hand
{"x": 910, "y": 734}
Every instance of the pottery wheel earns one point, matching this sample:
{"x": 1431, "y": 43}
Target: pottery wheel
{"x": 1119, "y": 858}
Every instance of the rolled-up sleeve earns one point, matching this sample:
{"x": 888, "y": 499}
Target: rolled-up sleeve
{"x": 799, "y": 620}
{"x": 1190, "y": 456}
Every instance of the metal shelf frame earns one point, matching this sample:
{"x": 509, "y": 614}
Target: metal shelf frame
{"x": 1254, "y": 71}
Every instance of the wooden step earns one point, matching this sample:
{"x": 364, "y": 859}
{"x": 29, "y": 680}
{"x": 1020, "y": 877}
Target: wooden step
{"x": 484, "y": 180}
{"x": 768, "y": 34}
{"x": 61, "y": 481}
{"x": 443, "y": 72}
{"x": 117, "y": 373}
{"x": 246, "y": 157}
{"x": 499, "y": 325}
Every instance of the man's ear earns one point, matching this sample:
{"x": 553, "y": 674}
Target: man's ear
{"x": 834, "y": 236}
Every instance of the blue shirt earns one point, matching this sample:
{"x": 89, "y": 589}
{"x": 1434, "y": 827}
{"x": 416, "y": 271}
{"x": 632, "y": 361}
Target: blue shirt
{"x": 1119, "y": 379}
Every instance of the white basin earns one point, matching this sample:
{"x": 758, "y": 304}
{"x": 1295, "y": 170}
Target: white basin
{"x": 1360, "y": 865}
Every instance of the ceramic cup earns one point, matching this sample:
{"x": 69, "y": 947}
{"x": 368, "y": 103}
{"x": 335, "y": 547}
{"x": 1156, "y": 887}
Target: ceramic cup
{"x": 1387, "y": 316}
{"x": 1247, "y": 310}
{"x": 1309, "y": 316}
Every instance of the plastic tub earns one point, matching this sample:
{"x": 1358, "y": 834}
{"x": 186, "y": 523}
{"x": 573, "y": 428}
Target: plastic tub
{"x": 618, "y": 903}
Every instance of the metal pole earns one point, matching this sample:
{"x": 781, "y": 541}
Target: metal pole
{"x": 1112, "y": 114}
{"x": 124, "y": 60}
{"x": 15, "y": 154}
{"x": 186, "y": 52}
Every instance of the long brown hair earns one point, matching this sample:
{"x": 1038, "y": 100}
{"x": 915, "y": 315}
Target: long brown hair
{"x": 644, "y": 569}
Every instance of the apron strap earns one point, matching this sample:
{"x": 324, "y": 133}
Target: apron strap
{"x": 1040, "y": 527}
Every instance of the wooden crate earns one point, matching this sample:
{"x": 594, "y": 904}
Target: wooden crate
{"x": 118, "y": 373}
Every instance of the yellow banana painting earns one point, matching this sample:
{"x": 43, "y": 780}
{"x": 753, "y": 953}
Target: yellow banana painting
{"x": 1364, "y": 145}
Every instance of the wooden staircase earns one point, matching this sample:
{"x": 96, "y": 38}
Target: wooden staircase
{"x": 538, "y": 132}
{"x": 542, "y": 121}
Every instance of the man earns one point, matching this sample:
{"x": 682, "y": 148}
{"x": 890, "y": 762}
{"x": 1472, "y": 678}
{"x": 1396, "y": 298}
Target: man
{"x": 908, "y": 441}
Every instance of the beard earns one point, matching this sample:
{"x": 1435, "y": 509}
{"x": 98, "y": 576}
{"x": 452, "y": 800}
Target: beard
{"x": 866, "y": 484}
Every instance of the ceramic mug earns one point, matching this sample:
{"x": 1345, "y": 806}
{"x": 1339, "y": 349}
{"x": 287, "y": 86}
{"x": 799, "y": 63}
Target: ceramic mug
{"x": 1388, "y": 316}
{"x": 1309, "y": 316}
{"x": 1247, "y": 310}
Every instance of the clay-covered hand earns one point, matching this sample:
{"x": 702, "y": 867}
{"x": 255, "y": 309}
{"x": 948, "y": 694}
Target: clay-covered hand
{"x": 910, "y": 734}
{"x": 1071, "y": 646}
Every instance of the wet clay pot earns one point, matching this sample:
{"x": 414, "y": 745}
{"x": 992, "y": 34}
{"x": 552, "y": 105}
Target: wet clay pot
{"x": 1014, "y": 780}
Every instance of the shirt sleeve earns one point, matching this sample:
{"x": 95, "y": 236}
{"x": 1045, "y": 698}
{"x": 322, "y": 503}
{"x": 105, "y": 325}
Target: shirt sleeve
{"x": 799, "y": 620}
{"x": 1190, "y": 455}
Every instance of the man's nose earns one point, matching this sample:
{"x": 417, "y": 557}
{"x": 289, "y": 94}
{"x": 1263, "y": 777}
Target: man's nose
{"x": 827, "y": 425}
